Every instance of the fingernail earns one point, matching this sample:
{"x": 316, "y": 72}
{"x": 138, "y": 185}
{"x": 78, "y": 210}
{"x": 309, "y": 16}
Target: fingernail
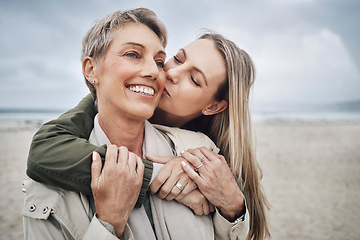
{"x": 182, "y": 151}
{"x": 183, "y": 164}
{"x": 93, "y": 156}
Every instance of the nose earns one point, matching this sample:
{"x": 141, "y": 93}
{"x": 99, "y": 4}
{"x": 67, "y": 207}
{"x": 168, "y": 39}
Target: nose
{"x": 150, "y": 70}
{"x": 173, "y": 74}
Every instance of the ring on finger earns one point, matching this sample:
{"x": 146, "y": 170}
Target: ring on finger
{"x": 196, "y": 169}
{"x": 180, "y": 186}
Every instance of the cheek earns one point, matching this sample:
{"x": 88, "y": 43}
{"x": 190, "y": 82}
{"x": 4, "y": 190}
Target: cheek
{"x": 161, "y": 80}
{"x": 188, "y": 101}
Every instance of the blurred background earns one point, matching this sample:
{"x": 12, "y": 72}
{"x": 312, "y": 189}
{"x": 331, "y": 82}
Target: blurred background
{"x": 306, "y": 98}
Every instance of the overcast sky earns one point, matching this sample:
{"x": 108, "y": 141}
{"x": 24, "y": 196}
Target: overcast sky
{"x": 305, "y": 51}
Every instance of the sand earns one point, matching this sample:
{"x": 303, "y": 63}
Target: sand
{"x": 311, "y": 177}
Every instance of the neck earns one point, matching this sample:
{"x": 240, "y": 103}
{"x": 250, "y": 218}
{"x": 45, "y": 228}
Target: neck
{"x": 164, "y": 118}
{"x": 123, "y": 132}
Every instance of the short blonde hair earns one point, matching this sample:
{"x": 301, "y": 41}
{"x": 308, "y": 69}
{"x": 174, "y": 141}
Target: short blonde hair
{"x": 98, "y": 38}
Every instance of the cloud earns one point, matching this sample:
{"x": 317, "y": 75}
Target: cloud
{"x": 304, "y": 51}
{"x": 312, "y": 68}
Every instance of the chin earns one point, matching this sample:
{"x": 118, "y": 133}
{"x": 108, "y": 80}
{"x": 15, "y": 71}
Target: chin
{"x": 146, "y": 115}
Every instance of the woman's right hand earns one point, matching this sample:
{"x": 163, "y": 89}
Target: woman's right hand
{"x": 197, "y": 202}
{"x": 116, "y": 186}
{"x": 170, "y": 175}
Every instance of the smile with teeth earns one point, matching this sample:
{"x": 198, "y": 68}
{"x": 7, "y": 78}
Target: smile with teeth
{"x": 142, "y": 89}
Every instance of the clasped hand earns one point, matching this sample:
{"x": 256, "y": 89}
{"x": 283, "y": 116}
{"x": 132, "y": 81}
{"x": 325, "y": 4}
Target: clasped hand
{"x": 206, "y": 179}
{"x": 116, "y": 186}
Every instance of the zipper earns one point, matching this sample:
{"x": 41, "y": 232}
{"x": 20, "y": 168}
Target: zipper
{"x": 62, "y": 224}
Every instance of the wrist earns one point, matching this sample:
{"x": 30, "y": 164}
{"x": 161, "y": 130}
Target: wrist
{"x": 117, "y": 223}
{"x": 233, "y": 212}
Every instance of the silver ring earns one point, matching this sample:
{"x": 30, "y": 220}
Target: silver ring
{"x": 179, "y": 186}
{"x": 197, "y": 168}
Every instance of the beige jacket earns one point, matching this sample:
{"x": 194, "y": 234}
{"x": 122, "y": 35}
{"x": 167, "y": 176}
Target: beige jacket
{"x": 53, "y": 213}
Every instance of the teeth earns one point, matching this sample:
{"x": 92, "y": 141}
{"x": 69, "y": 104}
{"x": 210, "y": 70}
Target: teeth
{"x": 142, "y": 89}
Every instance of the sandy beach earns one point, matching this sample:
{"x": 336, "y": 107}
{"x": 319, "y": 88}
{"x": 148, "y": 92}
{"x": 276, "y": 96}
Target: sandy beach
{"x": 311, "y": 177}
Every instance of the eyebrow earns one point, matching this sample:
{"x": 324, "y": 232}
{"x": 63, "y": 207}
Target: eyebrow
{"x": 143, "y": 47}
{"x": 195, "y": 68}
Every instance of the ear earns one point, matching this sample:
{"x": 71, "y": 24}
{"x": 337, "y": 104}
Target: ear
{"x": 215, "y": 107}
{"x": 89, "y": 68}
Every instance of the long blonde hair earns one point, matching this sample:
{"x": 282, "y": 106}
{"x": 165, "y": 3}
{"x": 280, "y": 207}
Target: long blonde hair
{"x": 231, "y": 130}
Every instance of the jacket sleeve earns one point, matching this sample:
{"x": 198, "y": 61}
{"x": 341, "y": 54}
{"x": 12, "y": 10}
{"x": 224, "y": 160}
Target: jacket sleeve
{"x": 225, "y": 230}
{"x": 53, "y": 213}
{"x": 97, "y": 230}
{"x": 60, "y": 154}
{"x": 35, "y": 229}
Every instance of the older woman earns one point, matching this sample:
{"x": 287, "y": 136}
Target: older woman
{"x": 123, "y": 58}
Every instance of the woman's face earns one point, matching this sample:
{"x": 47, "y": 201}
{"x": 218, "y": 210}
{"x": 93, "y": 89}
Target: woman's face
{"x": 194, "y": 75}
{"x": 130, "y": 78}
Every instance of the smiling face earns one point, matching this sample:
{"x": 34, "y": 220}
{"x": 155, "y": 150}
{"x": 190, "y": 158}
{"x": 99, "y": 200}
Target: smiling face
{"x": 130, "y": 78}
{"x": 194, "y": 75}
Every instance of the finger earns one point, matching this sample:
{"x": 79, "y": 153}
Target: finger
{"x": 123, "y": 155}
{"x": 191, "y": 158}
{"x": 111, "y": 156}
{"x": 211, "y": 155}
{"x": 168, "y": 185}
{"x": 139, "y": 166}
{"x": 95, "y": 167}
{"x": 176, "y": 190}
{"x": 212, "y": 208}
{"x": 157, "y": 159}
{"x": 200, "y": 153}
{"x": 191, "y": 186}
{"x": 192, "y": 174}
{"x": 206, "y": 208}
{"x": 159, "y": 180}
{"x": 132, "y": 161}
{"x": 198, "y": 211}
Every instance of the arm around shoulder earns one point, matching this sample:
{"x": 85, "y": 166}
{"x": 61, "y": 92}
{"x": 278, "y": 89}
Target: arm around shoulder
{"x": 60, "y": 154}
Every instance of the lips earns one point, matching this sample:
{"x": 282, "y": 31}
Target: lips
{"x": 149, "y": 91}
{"x": 166, "y": 92}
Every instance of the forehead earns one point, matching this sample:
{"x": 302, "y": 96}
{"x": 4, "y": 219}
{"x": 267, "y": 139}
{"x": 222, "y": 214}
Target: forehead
{"x": 204, "y": 54}
{"x": 137, "y": 33}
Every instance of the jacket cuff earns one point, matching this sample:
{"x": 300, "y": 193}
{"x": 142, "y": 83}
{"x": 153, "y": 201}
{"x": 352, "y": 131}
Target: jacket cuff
{"x": 97, "y": 230}
{"x": 146, "y": 181}
{"x": 234, "y": 230}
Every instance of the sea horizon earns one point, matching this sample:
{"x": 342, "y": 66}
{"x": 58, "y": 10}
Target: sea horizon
{"x": 40, "y": 116}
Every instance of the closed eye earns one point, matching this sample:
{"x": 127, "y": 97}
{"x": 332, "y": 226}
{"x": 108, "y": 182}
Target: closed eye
{"x": 194, "y": 81}
{"x": 177, "y": 59}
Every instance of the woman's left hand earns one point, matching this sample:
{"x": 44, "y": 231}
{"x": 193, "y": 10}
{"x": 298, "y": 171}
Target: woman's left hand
{"x": 215, "y": 181}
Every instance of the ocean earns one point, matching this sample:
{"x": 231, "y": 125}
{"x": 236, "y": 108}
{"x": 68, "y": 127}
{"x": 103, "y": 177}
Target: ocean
{"x": 306, "y": 116}
{"x": 29, "y": 117}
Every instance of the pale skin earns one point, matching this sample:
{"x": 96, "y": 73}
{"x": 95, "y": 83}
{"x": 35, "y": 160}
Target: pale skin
{"x": 192, "y": 82}
{"x": 116, "y": 186}
{"x": 135, "y": 57}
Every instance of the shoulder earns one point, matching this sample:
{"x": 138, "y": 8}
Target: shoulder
{"x": 185, "y": 139}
